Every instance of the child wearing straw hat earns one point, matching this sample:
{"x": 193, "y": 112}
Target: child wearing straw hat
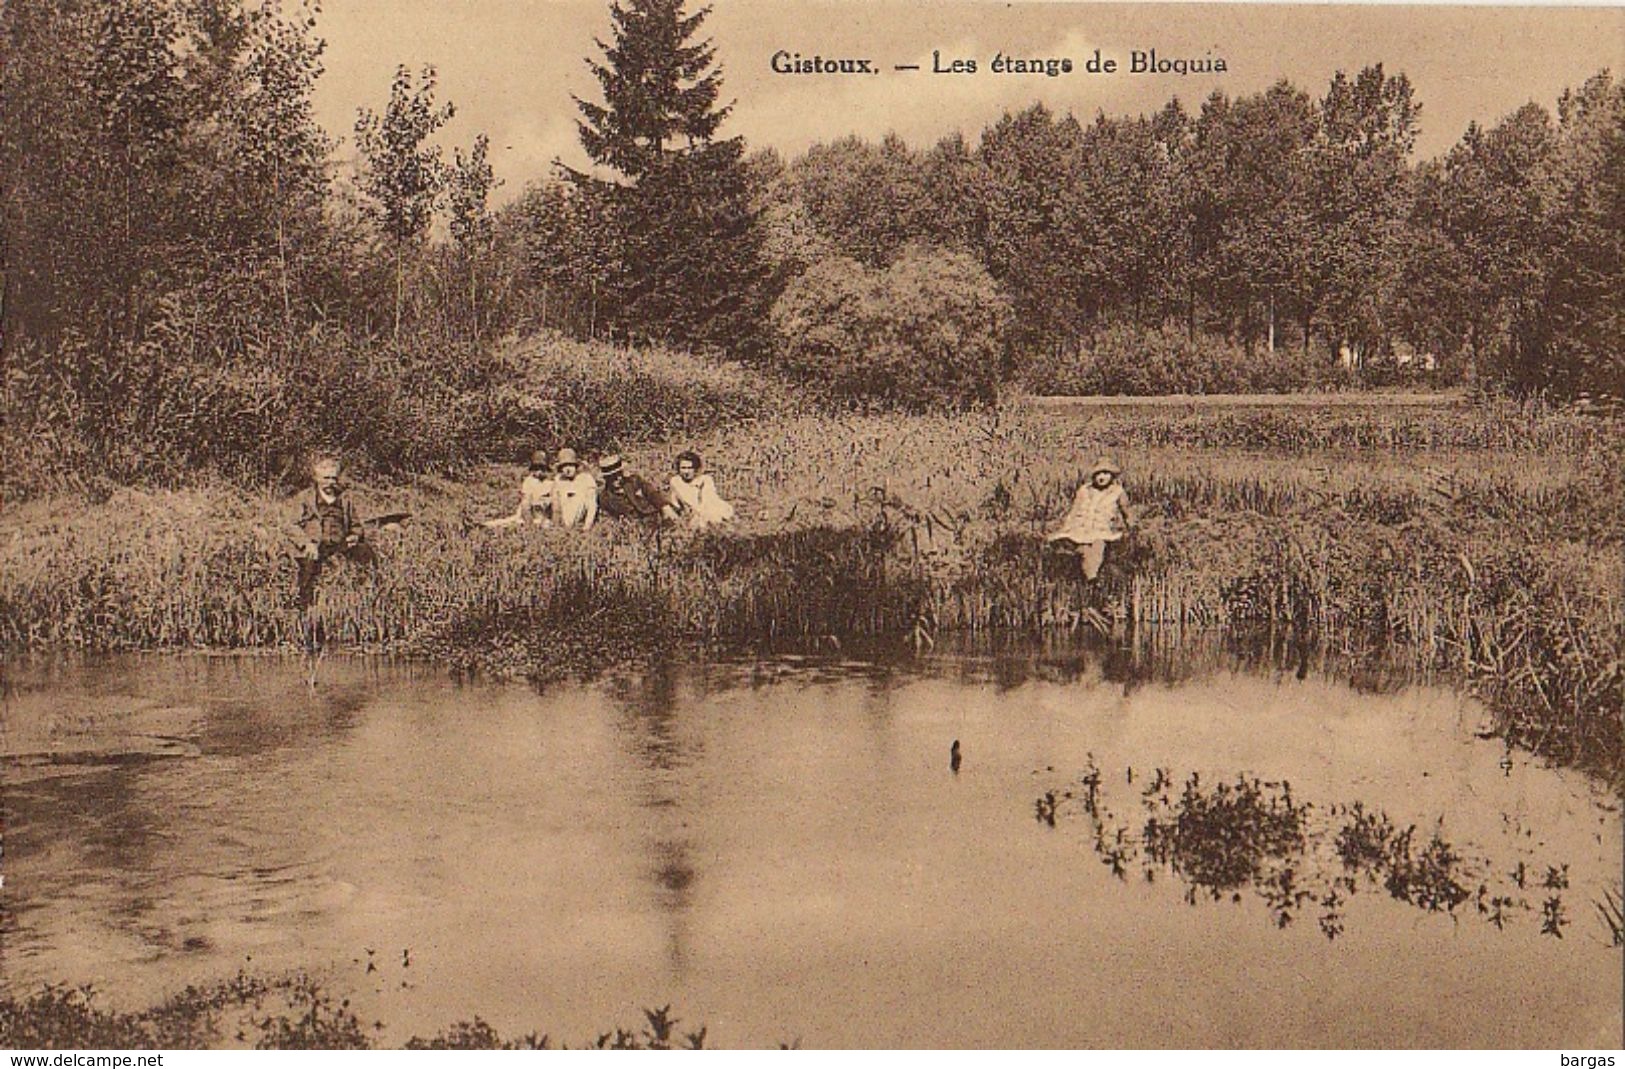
{"x": 575, "y": 492}
{"x": 626, "y": 495}
{"x": 1099, "y": 514}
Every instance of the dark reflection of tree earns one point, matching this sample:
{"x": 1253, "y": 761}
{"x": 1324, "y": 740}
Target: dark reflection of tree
{"x": 103, "y": 812}
{"x": 107, "y": 821}
{"x": 109, "y": 817}
{"x": 292, "y": 715}
{"x": 650, "y": 727}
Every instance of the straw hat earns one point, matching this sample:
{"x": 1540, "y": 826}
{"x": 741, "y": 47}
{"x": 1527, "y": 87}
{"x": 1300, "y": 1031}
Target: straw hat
{"x": 1104, "y": 464}
{"x": 567, "y": 456}
{"x": 610, "y": 464}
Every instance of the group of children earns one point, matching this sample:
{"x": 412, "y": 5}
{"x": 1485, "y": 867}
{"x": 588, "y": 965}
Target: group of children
{"x": 567, "y": 495}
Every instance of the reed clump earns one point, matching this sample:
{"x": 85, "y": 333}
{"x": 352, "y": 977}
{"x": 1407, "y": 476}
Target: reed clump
{"x": 1230, "y": 837}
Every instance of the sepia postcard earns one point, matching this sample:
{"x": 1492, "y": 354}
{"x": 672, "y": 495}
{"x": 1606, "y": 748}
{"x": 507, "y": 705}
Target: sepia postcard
{"x": 811, "y": 523}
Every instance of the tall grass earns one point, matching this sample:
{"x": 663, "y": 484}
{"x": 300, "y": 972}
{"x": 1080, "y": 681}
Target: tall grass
{"x": 555, "y": 391}
{"x": 1499, "y": 561}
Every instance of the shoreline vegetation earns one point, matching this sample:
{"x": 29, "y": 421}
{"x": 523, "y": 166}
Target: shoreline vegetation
{"x": 295, "y": 1011}
{"x": 1483, "y": 541}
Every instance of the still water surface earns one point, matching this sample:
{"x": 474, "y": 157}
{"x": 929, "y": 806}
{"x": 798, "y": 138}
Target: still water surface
{"x": 779, "y": 850}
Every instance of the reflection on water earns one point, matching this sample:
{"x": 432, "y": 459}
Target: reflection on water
{"x": 779, "y": 849}
{"x": 656, "y": 746}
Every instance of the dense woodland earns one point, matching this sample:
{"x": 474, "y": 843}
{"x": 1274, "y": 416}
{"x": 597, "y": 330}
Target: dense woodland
{"x": 196, "y": 276}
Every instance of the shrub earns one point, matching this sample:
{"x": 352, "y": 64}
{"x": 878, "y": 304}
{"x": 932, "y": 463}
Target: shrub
{"x": 929, "y": 331}
{"x": 1137, "y": 361}
{"x": 589, "y": 395}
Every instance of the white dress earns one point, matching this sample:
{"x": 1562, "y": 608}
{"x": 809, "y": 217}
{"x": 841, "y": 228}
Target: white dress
{"x": 535, "y": 503}
{"x": 699, "y": 501}
{"x": 1095, "y": 516}
{"x": 575, "y": 501}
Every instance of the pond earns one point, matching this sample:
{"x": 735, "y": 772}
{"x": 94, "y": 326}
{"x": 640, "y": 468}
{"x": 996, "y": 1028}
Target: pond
{"x": 780, "y": 850}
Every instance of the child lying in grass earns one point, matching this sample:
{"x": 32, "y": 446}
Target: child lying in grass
{"x": 535, "y": 498}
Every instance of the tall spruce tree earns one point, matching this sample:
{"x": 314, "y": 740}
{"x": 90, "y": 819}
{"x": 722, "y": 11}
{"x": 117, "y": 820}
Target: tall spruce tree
{"x": 690, "y": 270}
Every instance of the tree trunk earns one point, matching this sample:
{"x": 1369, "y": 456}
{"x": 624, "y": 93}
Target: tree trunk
{"x": 281, "y": 245}
{"x": 400, "y": 286}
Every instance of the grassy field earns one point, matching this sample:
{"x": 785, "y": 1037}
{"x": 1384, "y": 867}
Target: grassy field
{"x": 1485, "y": 542}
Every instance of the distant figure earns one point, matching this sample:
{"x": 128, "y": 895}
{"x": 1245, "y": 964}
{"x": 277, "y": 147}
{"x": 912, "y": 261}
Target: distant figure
{"x": 953, "y": 758}
{"x": 326, "y": 528}
{"x": 694, "y": 497}
{"x": 575, "y": 493}
{"x": 1099, "y": 514}
{"x": 535, "y": 497}
{"x": 626, "y": 496}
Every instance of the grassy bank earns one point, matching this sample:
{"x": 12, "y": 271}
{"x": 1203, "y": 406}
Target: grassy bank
{"x": 1484, "y": 542}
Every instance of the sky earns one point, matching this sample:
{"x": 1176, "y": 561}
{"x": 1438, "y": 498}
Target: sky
{"x": 510, "y": 66}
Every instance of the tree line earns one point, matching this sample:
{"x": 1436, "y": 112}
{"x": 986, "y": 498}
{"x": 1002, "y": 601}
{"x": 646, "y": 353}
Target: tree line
{"x": 196, "y": 273}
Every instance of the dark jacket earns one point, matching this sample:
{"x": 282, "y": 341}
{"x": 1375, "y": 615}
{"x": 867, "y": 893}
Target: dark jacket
{"x": 325, "y": 523}
{"x": 629, "y": 497}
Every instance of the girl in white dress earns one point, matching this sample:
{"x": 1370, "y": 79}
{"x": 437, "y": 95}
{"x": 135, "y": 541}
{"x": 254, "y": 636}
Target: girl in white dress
{"x": 1099, "y": 514}
{"x": 694, "y": 497}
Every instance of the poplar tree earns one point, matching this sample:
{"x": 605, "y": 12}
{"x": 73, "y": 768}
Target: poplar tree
{"x": 473, "y": 229}
{"x": 403, "y": 175}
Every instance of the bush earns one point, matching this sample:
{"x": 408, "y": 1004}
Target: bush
{"x": 589, "y": 395}
{"x": 1137, "y": 361}
{"x": 160, "y": 412}
{"x": 929, "y": 331}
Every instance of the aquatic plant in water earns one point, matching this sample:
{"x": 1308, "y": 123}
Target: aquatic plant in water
{"x": 1612, "y": 911}
{"x": 1252, "y": 835}
{"x": 1219, "y": 839}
